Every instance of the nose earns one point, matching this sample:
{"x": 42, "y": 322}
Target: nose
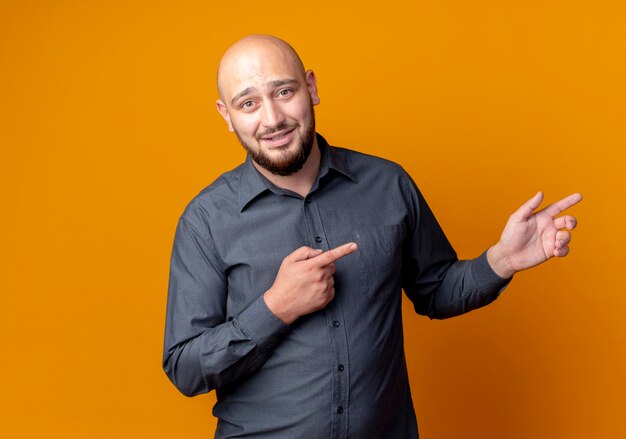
{"x": 272, "y": 114}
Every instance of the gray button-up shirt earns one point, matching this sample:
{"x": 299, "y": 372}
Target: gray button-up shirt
{"x": 339, "y": 372}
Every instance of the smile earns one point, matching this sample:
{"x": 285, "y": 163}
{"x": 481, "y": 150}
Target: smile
{"x": 280, "y": 139}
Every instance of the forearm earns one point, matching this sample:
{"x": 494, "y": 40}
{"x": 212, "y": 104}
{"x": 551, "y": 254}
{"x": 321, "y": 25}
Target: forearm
{"x": 205, "y": 348}
{"x": 466, "y": 285}
{"x": 221, "y": 354}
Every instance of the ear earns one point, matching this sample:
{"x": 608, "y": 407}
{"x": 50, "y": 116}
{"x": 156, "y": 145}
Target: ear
{"x": 221, "y": 108}
{"x": 311, "y": 83}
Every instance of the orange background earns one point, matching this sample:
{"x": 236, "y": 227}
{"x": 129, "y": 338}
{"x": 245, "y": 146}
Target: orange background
{"x": 108, "y": 129}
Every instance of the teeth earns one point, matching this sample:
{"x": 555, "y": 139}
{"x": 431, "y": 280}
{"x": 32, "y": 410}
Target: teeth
{"x": 277, "y": 137}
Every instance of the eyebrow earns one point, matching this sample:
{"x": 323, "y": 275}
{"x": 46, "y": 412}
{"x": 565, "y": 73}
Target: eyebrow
{"x": 273, "y": 84}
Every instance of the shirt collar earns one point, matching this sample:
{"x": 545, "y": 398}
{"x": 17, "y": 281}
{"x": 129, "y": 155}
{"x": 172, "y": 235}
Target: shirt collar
{"x": 254, "y": 184}
{"x": 331, "y": 159}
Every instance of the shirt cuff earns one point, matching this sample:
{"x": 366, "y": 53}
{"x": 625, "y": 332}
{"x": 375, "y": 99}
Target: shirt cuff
{"x": 258, "y": 323}
{"x": 485, "y": 275}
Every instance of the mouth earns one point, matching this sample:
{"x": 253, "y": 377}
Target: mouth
{"x": 280, "y": 138}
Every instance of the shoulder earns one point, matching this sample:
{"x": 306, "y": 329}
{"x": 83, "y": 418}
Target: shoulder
{"x": 358, "y": 157}
{"x": 222, "y": 195}
{"x": 379, "y": 175}
{"x": 367, "y": 166}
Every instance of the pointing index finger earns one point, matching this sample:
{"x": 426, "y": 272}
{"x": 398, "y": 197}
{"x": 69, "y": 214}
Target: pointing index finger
{"x": 559, "y": 206}
{"x": 335, "y": 254}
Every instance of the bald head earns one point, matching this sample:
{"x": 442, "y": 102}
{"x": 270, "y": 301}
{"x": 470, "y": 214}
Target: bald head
{"x": 250, "y": 57}
{"x": 267, "y": 99}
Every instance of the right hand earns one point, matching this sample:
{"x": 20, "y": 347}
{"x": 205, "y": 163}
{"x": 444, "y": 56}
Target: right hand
{"x": 305, "y": 282}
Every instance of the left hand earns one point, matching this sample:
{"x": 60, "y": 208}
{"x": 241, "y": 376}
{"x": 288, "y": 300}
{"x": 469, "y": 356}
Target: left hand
{"x": 531, "y": 238}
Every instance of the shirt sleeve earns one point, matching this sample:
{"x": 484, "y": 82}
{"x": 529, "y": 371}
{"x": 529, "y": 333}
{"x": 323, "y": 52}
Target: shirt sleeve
{"x": 202, "y": 350}
{"x": 439, "y": 285}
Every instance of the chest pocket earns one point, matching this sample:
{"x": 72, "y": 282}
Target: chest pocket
{"x": 379, "y": 259}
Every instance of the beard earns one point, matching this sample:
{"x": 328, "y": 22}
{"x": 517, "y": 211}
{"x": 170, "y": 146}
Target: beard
{"x": 288, "y": 162}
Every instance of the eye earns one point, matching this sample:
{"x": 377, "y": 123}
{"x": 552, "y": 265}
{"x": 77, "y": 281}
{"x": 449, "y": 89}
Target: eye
{"x": 285, "y": 92}
{"x": 247, "y": 105}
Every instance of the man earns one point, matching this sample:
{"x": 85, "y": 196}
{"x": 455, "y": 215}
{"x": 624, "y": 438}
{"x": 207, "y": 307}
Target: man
{"x": 286, "y": 272}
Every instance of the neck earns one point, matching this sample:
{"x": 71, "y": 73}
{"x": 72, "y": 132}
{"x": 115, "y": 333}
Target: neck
{"x": 299, "y": 182}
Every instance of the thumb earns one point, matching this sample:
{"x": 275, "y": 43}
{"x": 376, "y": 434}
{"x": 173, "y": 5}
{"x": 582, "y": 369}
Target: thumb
{"x": 527, "y": 209}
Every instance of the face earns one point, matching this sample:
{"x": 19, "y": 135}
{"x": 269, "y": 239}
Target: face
{"x": 267, "y": 100}
{"x": 288, "y": 155}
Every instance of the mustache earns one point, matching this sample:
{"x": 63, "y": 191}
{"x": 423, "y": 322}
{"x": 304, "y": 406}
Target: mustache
{"x": 281, "y": 127}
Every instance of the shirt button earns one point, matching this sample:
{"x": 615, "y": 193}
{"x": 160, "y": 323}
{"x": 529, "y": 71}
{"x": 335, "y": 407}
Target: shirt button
{"x": 339, "y": 410}
{"x": 307, "y": 200}
{"x": 318, "y": 239}
{"x": 340, "y": 368}
{"x": 336, "y": 324}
